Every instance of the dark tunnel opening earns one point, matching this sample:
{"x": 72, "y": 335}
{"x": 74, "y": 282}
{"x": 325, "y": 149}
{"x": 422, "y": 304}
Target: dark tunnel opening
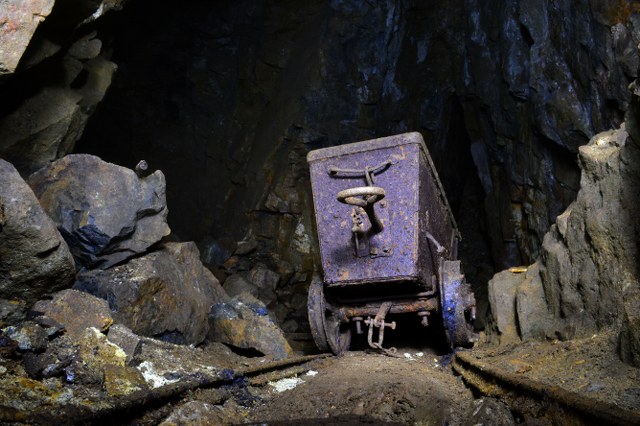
{"x": 177, "y": 102}
{"x": 227, "y": 99}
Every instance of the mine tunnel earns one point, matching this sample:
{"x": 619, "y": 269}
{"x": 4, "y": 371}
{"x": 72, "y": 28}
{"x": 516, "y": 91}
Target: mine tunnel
{"x": 163, "y": 253}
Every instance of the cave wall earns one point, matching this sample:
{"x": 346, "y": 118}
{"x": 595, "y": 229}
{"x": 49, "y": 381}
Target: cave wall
{"x": 228, "y": 97}
{"x": 53, "y": 73}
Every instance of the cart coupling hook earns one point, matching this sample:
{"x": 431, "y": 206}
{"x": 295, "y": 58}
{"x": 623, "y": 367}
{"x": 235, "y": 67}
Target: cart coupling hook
{"x": 379, "y": 323}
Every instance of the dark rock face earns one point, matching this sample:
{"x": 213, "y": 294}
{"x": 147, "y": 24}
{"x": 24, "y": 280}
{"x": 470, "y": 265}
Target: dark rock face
{"x": 60, "y": 78}
{"x": 18, "y": 26}
{"x": 629, "y": 270}
{"x": 504, "y": 93}
{"x": 165, "y": 294}
{"x": 260, "y": 281}
{"x": 34, "y": 259}
{"x": 587, "y": 278}
{"x": 106, "y": 213}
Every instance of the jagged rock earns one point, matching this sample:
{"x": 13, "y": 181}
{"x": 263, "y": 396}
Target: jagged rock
{"x": 76, "y": 311}
{"x": 502, "y": 303}
{"x": 163, "y": 363}
{"x": 29, "y": 335}
{"x": 165, "y": 294}
{"x": 94, "y": 353}
{"x": 237, "y": 284}
{"x": 81, "y": 359}
{"x": 587, "y": 278}
{"x": 518, "y": 308}
{"x": 260, "y": 281}
{"x": 629, "y": 345}
{"x": 128, "y": 341}
{"x": 246, "y": 246}
{"x": 489, "y": 411}
{"x": 12, "y": 311}
{"x": 121, "y": 380}
{"x": 18, "y": 23}
{"x": 205, "y": 414}
{"x": 99, "y": 9}
{"x": 105, "y": 212}
{"x": 34, "y": 259}
{"x": 532, "y": 313}
{"x": 47, "y": 123}
{"x": 244, "y": 322}
{"x": 591, "y": 256}
{"x": 216, "y": 252}
{"x": 629, "y": 342}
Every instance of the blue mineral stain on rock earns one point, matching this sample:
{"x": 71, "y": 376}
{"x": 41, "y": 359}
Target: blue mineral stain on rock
{"x": 70, "y": 375}
{"x": 227, "y": 374}
{"x": 223, "y": 311}
{"x": 257, "y": 309}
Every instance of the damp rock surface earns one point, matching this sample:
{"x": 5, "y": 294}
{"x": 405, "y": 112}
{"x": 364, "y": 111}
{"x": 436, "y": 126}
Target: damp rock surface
{"x": 34, "y": 258}
{"x": 586, "y": 279}
{"x": 166, "y": 293}
{"x": 105, "y": 212}
{"x": 244, "y": 322}
{"x": 17, "y": 26}
{"x": 75, "y": 311}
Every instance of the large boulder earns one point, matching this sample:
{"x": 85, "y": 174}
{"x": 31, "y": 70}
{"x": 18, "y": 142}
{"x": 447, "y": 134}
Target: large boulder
{"x": 165, "y": 294}
{"x": 243, "y": 322}
{"x": 34, "y": 259}
{"x": 106, "y": 213}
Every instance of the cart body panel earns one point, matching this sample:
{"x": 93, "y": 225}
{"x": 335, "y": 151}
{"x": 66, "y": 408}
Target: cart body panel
{"x": 418, "y": 225}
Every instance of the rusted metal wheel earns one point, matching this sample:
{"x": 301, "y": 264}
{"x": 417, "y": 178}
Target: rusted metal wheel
{"x": 338, "y": 333}
{"x": 329, "y": 333}
{"x": 315, "y": 311}
{"x": 457, "y": 303}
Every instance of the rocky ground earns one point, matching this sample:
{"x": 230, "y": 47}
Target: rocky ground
{"x": 542, "y": 383}
{"x": 357, "y": 388}
{"x": 371, "y": 388}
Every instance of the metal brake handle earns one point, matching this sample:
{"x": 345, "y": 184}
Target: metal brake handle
{"x": 372, "y": 195}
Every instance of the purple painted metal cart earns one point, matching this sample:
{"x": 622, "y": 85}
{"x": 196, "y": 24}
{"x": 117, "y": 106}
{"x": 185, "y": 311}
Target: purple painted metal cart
{"x": 388, "y": 243}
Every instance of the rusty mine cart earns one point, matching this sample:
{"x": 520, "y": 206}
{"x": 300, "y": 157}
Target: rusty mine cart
{"x": 388, "y": 244}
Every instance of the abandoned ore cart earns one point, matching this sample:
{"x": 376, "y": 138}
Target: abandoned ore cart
{"x": 388, "y": 245}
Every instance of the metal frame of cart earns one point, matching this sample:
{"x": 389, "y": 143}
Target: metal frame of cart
{"x": 388, "y": 244}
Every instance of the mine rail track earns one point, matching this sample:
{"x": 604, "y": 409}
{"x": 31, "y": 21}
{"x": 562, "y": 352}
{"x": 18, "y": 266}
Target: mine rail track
{"x": 510, "y": 387}
{"x": 79, "y": 414}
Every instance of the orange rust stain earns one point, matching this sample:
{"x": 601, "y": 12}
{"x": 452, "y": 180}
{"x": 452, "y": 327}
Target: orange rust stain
{"x": 622, "y": 10}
